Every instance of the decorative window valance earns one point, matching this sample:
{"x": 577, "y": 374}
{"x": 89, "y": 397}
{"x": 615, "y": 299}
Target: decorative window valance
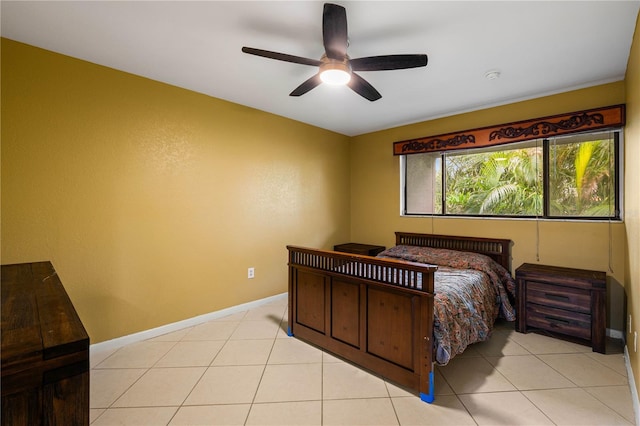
{"x": 593, "y": 119}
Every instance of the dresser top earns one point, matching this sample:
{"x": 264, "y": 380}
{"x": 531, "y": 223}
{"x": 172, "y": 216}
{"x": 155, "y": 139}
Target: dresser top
{"x": 39, "y": 322}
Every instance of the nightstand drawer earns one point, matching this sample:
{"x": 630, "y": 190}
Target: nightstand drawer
{"x": 559, "y": 297}
{"x": 564, "y": 301}
{"x": 558, "y": 320}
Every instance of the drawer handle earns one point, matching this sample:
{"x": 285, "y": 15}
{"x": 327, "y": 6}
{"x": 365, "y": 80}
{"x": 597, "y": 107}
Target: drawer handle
{"x": 557, "y": 297}
{"x": 557, "y": 320}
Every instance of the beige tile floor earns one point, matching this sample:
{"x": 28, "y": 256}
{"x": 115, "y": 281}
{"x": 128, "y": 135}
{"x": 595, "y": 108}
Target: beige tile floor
{"x": 244, "y": 369}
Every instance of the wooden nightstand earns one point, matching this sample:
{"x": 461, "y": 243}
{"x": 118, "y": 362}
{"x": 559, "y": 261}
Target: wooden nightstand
{"x": 570, "y": 302}
{"x": 357, "y": 248}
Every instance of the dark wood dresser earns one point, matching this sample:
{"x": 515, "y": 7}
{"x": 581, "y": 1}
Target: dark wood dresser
{"x": 45, "y": 350}
{"x": 569, "y": 302}
{"x": 357, "y": 248}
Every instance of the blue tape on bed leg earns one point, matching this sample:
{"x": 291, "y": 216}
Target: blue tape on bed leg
{"x": 289, "y": 333}
{"x": 428, "y": 397}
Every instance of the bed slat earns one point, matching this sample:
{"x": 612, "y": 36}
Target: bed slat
{"x": 385, "y": 271}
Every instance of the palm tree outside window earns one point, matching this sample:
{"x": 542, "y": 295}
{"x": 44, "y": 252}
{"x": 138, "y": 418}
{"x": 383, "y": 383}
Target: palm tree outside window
{"x": 574, "y": 176}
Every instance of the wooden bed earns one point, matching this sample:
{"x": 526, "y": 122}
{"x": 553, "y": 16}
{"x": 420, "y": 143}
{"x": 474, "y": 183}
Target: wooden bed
{"x": 376, "y": 312}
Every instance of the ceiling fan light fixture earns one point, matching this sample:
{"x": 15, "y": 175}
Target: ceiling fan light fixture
{"x": 334, "y": 72}
{"x": 335, "y": 67}
{"x": 335, "y": 77}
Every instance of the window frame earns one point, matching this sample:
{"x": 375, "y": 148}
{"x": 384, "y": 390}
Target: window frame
{"x": 618, "y": 161}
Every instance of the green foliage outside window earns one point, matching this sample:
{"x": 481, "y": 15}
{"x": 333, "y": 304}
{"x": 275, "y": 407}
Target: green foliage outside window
{"x": 495, "y": 183}
{"x": 580, "y": 179}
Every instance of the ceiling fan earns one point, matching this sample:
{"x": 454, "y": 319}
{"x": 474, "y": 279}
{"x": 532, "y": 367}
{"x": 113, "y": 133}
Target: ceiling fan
{"x": 335, "y": 66}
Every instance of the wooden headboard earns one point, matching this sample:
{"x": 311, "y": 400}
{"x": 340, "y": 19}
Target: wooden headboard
{"x": 497, "y": 249}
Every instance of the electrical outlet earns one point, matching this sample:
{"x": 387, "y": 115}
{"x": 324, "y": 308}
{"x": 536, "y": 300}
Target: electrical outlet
{"x": 251, "y": 272}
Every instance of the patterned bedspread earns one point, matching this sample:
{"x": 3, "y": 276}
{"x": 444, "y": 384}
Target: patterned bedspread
{"x": 472, "y": 291}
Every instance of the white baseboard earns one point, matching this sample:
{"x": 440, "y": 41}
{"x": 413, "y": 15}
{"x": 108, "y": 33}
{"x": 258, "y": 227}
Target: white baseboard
{"x": 632, "y": 386}
{"x": 119, "y": 342}
{"x": 615, "y": 334}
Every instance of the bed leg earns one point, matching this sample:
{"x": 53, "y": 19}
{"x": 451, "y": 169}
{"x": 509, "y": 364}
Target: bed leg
{"x": 289, "y": 332}
{"x": 428, "y": 397}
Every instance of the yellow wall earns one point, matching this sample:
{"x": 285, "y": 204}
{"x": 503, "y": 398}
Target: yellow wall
{"x": 152, "y": 201}
{"x": 375, "y": 201}
{"x": 632, "y": 197}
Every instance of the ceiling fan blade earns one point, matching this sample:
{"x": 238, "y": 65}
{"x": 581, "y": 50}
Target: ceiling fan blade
{"x": 363, "y": 88}
{"x": 334, "y": 31}
{"x": 388, "y": 62}
{"x": 281, "y": 56}
{"x": 309, "y": 84}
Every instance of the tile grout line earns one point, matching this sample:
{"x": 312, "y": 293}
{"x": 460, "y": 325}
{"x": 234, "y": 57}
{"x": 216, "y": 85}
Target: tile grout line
{"x": 274, "y": 341}
{"x": 576, "y": 386}
{"x": 263, "y": 371}
{"x": 206, "y": 368}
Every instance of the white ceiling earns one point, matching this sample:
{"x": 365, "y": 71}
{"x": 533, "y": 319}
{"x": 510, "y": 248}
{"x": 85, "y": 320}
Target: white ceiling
{"x": 539, "y": 48}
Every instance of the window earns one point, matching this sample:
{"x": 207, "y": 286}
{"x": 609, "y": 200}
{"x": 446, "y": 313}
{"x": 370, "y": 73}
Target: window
{"x": 573, "y": 176}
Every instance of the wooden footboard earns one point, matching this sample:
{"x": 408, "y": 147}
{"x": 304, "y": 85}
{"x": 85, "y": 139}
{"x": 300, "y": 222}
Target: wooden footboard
{"x": 377, "y": 313}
